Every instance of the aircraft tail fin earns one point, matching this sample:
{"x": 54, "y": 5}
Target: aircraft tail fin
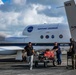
{"x": 70, "y": 9}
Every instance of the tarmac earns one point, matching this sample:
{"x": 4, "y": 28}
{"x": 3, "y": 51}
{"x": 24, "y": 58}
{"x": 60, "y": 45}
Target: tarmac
{"x": 8, "y": 66}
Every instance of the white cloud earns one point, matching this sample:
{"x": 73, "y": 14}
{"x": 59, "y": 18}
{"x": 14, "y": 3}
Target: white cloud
{"x": 32, "y": 17}
{"x": 19, "y": 2}
{"x": 17, "y": 33}
{"x": 8, "y": 18}
{"x": 40, "y": 7}
{"x": 27, "y": 16}
{"x": 1, "y": 2}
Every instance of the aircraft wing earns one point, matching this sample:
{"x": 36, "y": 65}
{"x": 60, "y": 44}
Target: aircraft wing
{"x": 4, "y": 48}
{"x": 8, "y": 50}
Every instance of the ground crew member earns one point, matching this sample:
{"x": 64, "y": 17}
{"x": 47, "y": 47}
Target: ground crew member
{"x": 30, "y": 52}
{"x": 58, "y": 53}
{"x": 72, "y": 50}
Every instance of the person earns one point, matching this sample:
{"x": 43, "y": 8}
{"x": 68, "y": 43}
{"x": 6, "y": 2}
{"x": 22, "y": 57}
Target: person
{"x": 58, "y": 53}
{"x": 30, "y": 52}
{"x": 72, "y": 46}
{"x": 72, "y": 50}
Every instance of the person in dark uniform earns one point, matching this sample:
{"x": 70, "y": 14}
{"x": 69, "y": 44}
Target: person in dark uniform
{"x": 72, "y": 50}
{"x": 58, "y": 53}
{"x": 30, "y": 52}
{"x": 72, "y": 45}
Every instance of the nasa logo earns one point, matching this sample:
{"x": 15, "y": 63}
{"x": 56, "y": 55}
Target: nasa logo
{"x": 30, "y": 29}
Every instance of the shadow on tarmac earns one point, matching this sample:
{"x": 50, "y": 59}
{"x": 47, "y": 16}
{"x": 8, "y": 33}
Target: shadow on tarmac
{"x": 12, "y": 64}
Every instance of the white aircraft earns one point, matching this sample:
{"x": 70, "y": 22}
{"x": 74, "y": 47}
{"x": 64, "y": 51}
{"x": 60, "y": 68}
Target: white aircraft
{"x": 42, "y": 36}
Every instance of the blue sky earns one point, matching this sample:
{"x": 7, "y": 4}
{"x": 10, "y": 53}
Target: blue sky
{"x": 6, "y": 1}
{"x": 15, "y": 15}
